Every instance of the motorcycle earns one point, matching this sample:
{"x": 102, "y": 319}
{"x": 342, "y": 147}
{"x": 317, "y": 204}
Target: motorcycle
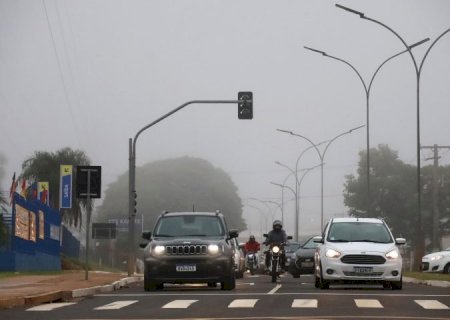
{"x": 276, "y": 250}
{"x": 252, "y": 262}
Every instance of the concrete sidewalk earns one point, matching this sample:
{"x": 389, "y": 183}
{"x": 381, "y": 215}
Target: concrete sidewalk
{"x": 20, "y": 290}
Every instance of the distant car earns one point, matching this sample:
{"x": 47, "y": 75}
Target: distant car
{"x": 302, "y": 260}
{"x": 289, "y": 249}
{"x": 239, "y": 258}
{"x": 189, "y": 247}
{"x": 358, "y": 250}
{"x": 437, "y": 262}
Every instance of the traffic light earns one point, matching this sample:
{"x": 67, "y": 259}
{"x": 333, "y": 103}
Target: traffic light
{"x": 245, "y": 107}
{"x": 135, "y": 201}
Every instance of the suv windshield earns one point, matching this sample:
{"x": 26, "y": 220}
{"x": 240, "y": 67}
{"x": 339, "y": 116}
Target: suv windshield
{"x": 359, "y": 232}
{"x": 189, "y": 226}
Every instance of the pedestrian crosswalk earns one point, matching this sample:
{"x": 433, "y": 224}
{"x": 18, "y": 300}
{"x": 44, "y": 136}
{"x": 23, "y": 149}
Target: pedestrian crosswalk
{"x": 430, "y": 304}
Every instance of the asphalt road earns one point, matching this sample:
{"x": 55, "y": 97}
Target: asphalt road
{"x": 255, "y": 297}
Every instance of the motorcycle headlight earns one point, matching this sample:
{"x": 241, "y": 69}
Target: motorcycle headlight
{"x": 393, "y": 254}
{"x": 439, "y": 257}
{"x": 275, "y": 249}
{"x": 213, "y": 249}
{"x": 331, "y": 253}
{"x": 158, "y": 250}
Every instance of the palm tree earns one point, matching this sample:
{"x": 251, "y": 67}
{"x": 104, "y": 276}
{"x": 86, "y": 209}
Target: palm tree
{"x": 45, "y": 166}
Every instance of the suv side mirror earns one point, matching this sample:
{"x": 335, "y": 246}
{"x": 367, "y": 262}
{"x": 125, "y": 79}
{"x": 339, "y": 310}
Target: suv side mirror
{"x": 146, "y": 235}
{"x": 142, "y": 245}
{"x": 289, "y": 237}
{"x": 265, "y": 235}
{"x": 318, "y": 239}
{"x": 400, "y": 241}
{"x": 233, "y": 234}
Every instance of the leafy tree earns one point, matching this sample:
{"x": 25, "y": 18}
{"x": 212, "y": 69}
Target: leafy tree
{"x": 181, "y": 184}
{"x": 394, "y": 194}
{"x": 45, "y": 166}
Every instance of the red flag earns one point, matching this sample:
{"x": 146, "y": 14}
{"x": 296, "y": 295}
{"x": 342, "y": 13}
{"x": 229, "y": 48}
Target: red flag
{"x": 23, "y": 191}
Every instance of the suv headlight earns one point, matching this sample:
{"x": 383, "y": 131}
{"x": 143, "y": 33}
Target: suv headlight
{"x": 393, "y": 254}
{"x": 331, "y": 253}
{"x": 439, "y": 257}
{"x": 213, "y": 249}
{"x": 158, "y": 250}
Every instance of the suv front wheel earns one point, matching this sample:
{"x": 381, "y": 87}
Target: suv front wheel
{"x": 228, "y": 284}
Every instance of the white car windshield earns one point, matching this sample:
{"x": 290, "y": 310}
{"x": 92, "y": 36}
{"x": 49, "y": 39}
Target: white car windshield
{"x": 359, "y": 232}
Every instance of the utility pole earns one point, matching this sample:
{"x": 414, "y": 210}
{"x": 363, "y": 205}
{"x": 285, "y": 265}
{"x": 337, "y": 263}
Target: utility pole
{"x": 435, "y": 238}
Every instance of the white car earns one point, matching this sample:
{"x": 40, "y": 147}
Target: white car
{"x": 437, "y": 262}
{"x": 358, "y": 250}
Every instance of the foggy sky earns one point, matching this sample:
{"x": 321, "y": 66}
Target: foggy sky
{"x": 90, "y": 74}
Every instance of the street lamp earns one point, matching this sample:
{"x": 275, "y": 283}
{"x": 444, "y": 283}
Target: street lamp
{"x": 367, "y": 92}
{"x": 297, "y": 190}
{"x": 321, "y": 156}
{"x": 418, "y": 69}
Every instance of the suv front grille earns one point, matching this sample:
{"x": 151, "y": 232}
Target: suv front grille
{"x": 190, "y": 249}
{"x": 363, "y": 259}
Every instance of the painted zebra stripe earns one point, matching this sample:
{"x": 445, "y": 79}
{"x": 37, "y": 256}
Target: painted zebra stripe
{"x": 243, "y": 303}
{"x": 304, "y": 303}
{"x": 431, "y": 304}
{"x": 368, "y": 303}
{"x": 50, "y": 306}
{"x": 179, "y": 304}
{"x": 116, "y": 305}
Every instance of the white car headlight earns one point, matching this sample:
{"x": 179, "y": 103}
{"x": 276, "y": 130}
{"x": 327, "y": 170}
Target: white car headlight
{"x": 393, "y": 254}
{"x": 275, "y": 249}
{"x": 330, "y": 253}
{"x": 213, "y": 249}
{"x": 439, "y": 257}
{"x": 158, "y": 250}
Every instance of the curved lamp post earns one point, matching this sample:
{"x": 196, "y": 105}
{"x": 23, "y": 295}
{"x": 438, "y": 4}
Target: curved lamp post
{"x": 367, "y": 88}
{"x": 298, "y": 183}
{"x": 418, "y": 70}
{"x": 321, "y": 156}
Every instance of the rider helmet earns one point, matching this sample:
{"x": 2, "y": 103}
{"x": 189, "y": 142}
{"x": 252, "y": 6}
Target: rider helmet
{"x": 277, "y": 224}
{"x": 252, "y": 237}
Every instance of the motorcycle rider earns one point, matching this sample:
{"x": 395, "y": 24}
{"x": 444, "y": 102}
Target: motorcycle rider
{"x": 251, "y": 245}
{"x": 276, "y": 235}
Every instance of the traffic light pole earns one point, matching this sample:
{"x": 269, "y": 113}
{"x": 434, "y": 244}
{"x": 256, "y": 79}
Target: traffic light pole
{"x": 132, "y": 164}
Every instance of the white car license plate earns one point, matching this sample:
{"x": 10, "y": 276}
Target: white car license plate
{"x": 307, "y": 264}
{"x": 362, "y": 269}
{"x": 186, "y": 267}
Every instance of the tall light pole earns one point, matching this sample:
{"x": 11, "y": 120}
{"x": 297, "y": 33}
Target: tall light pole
{"x": 295, "y": 195}
{"x": 367, "y": 88}
{"x": 260, "y": 221}
{"x": 418, "y": 69}
{"x": 298, "y": 182}
{"x": 321, "y": 157}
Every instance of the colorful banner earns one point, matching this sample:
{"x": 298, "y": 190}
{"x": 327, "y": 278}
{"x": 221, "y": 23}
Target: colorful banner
{"x": 65, "y": 186}
{"x": 43, "y": 195}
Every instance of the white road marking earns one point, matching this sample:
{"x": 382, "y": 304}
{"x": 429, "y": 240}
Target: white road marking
{"x": 278, "y": 286}
{"x": 243, "y": 303}
{"x": 431, "y": 304}
{"x": 368, "y": 303}
{"x": 116, "y": 305}
{"x": 179, "y": 304}
{"x": 50, "y": 306}
{"x": 304, "y": 303}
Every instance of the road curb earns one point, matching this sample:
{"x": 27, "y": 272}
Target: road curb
{"x": 433, "y": 283}
{"x": 11, "y": 302}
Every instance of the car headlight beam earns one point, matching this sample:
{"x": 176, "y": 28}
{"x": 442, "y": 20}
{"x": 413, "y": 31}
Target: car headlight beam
{"x": 158, "y": 250}
{"x": 331, "y": 253}
{"x": 393, "y": 254}
{"x": 439, "y": 257}
{"x": 213, "y": 249}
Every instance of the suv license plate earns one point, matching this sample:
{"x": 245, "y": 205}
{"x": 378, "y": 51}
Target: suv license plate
{"x": 307, "y": 264}
{"x": 186, "y": 267}
{"x": 362, "y": 269}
